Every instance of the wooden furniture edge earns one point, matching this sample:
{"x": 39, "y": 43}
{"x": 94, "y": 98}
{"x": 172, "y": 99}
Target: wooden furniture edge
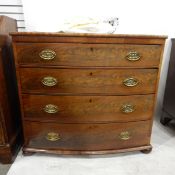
{"x": 8, "y": 152}
{"x": 87, "y": 34}
{"x": 29, "y": 150}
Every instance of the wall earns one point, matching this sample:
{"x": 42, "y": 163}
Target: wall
{"x": 135, "y": 17}
{"x": 13, "y": 9}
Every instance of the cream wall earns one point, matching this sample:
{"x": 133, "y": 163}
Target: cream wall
{"x": 135, "y": 17}
{"x": 13, "y": 9}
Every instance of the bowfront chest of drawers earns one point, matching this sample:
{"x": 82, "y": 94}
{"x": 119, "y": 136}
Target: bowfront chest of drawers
{"x": 87, "y": 93}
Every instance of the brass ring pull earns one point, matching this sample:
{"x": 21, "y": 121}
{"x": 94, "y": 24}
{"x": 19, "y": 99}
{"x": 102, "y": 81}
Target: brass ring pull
{"x": 133, "y": 56}
{"x": 130, "y": 82}
{"x": 125, "y": 135}
{"x": 127, "y": 108}
{"x": 49, "y": 81}
{"x": 47, "y": 54}
{"x": 52, "y": 136}
{"x": 51, "y": 109}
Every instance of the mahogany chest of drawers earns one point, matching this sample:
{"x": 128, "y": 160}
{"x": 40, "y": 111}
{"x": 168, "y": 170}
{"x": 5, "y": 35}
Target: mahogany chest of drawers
{"x": 87, "y": 93}
{"x": 10, "y": 128}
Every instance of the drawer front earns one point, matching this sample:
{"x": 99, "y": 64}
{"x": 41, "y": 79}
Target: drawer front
{"x": 86, "y": 109}
{"x": 1, "y": 135}
{"x": 88, "y": 54}
{"x": 87, "y": 136}
{"x": 114, "y": 81}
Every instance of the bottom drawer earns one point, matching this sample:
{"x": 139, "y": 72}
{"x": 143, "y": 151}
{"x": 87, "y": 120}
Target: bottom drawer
{"x": 87, "y": 137}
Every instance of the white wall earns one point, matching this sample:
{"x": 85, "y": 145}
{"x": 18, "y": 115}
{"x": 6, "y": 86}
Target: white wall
{"x": 135, "y": 17}
{"x": 13, "y": 9}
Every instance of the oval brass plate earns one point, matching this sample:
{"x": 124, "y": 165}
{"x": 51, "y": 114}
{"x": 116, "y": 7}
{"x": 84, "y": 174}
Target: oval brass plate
{"x": 52, "y": 136}
{"x": 130, "y": 82}
{"x": 127, "y": 108}
{"x": 51, "y": 109}
{"x": 47, "y": 54}
{"x": 133, "y": 56}
{"x": 49, "y": 81}
{"x": 125, "y": 135}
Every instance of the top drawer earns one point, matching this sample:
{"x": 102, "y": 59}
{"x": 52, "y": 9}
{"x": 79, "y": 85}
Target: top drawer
{"x": 69, "y": 54}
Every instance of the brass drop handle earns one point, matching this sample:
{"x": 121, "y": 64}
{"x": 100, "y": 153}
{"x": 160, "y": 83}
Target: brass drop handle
{"x": 125, "y": 135}
{"x": 47, "y": 54}
{"x": 133, "y": 56}
{"x": 52, "y": 136}
{"x": 51, "y": 109}
{"x": 130, "y": 82}
{"x": 49, "y": 81}
{"x": 127, "y": 108}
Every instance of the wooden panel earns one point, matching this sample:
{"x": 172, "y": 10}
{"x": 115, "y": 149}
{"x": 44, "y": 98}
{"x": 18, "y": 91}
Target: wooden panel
{"x": 87, "y": 136}
{"x": 10, "y": 127}
{"x": 39, "y": 37}
{"x": 7, "y": 25}
{"x": 89, "y": 54}
{"x": 1, "y": 135}
{"x": 88, "y": 80}
{"x": 81, "y": 109}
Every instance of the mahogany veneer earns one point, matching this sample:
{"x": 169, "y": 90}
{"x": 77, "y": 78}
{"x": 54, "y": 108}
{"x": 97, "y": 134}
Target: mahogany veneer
{"x": 87, "y": 93}
{"x": 87, "y": 109}
{"x": 10, "y": 127}
{"x": 108, "y": 81}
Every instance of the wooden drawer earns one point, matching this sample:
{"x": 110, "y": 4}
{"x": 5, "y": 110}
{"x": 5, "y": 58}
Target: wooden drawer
{"x": 87, "y": 136}
{"x": 1, "y": 135}
{"x": 69, "y": 54}
{"x": 109, "y": 81}
{"x": 84, "y": 109}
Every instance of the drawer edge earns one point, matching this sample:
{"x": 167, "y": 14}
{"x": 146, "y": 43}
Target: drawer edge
{"x": 29, "y": 150}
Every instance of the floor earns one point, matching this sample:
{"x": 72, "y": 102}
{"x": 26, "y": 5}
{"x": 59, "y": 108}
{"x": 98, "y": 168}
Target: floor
{"x": 4, "y": 169}
{"x": 161, "y": 161}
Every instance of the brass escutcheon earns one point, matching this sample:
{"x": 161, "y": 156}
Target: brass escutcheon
{"x": 49, "y": 81}
{"x": 51, "y": 109}
{"x": 130, "y": 82}
{"x": 47, "y": 54}
{"x": 125, "y": 135}
{"x": 133, "y": 56}
{"x": 127, "y": 108}
{"x": 52, "y": 136}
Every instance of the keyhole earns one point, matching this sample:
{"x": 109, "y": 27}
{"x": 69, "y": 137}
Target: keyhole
{"x": 90, "y": 101}
{"x": 91, "y": 73}
{"x": 91, "y": 49}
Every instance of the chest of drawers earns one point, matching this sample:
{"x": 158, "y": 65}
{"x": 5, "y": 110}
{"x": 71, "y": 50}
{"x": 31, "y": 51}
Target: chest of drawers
{"x": 87, "y": 93}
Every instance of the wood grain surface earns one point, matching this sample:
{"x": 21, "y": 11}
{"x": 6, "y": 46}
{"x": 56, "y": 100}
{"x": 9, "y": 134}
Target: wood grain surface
{"x": 89, "y": 54}
{"x": 87, "y": 136}
{"x": 89, "y": 70}
{"x": 109, "y": 81}
{"x": 88, "y": 109}
{"x": 10, "y": 125}
{"x": 1, "y": 135}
